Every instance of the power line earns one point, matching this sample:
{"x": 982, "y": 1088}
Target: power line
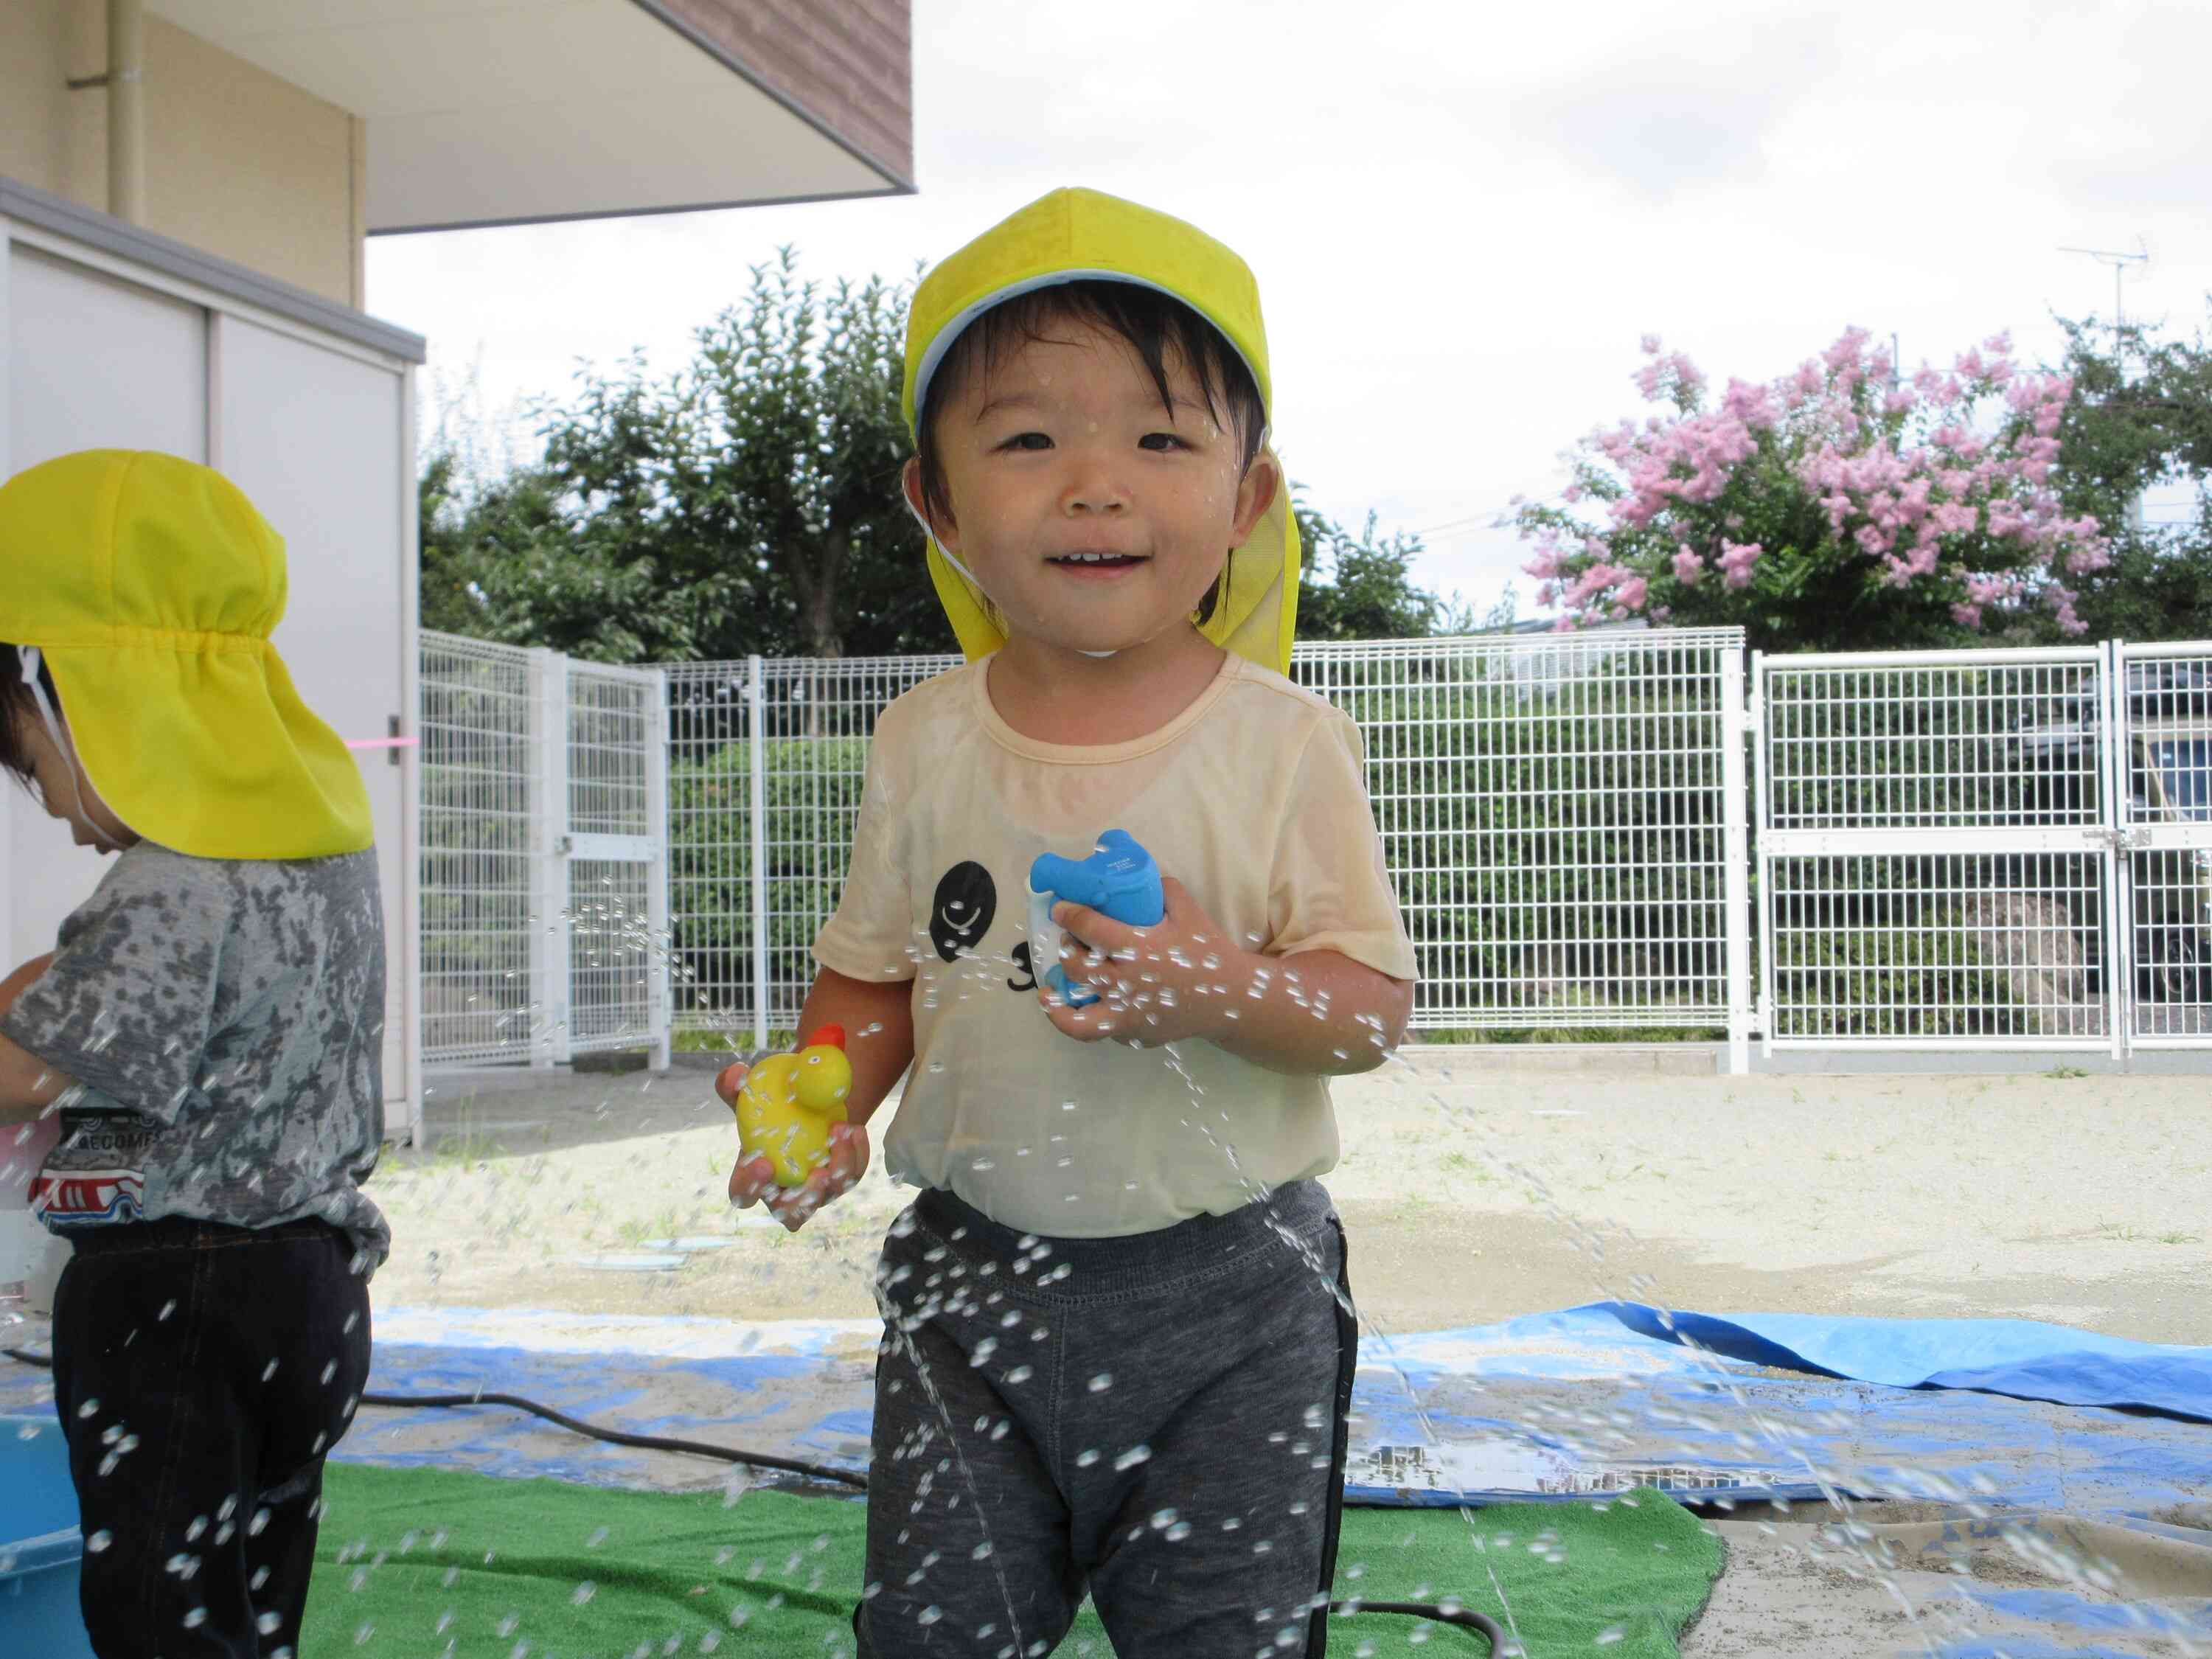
{"x": 1487, "y": 517}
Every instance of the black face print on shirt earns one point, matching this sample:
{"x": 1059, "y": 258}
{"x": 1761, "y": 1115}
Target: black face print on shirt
{"x": 961, "y": 914}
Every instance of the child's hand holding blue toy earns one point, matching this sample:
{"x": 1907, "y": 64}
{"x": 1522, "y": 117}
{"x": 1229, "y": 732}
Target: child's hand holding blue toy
{"x": 1140, "y": 961}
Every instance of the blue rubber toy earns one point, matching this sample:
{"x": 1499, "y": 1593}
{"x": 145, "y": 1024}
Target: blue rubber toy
{"x": 1119, "y": 880}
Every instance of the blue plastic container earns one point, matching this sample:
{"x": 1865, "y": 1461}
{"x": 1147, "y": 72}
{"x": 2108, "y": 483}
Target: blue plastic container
{"x": 41, "y": 1547}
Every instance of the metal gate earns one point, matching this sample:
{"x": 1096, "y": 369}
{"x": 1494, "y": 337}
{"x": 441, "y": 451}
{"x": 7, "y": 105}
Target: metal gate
{"x": 2163, "y": 712}
{"x": 602, "y": 875}
{"x": 544, "y": 883}
{"x": 1996, "y": 849}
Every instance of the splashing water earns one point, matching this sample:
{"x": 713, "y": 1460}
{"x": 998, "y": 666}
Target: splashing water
{"x": 630, "y": 940}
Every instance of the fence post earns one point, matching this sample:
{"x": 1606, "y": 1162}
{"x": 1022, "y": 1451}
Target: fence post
{"x": 549, "y": 937}
{"x": 1736, "y": 851}
{"x": 660, "y": 936}
{"x": 756, "y": 763}
{"x": 409, "y": 952}
{"x": 2115, "y": 742}
{"x": 1761, "y": 815}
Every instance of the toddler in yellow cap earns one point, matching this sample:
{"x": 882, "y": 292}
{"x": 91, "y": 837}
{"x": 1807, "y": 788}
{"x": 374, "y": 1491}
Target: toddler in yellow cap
{"x": 1118, "y": 1342}
{"x": 209, "y": 1029}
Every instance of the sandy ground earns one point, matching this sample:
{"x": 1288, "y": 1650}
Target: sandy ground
{"x": 1470, "y": 1193}
{"x": 1895, "y": 1579}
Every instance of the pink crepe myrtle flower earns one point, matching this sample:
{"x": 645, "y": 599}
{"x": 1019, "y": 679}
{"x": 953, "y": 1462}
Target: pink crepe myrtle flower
{"x": 1736, "y": 562}
{"x": 1919, "y": 479}
{"x": 1592, "y": 582}
{"x": 1546, "y": 565}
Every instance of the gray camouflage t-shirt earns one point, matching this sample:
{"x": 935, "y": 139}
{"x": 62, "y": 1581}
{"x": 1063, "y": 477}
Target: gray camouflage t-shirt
{"x": 224, "y": 1022}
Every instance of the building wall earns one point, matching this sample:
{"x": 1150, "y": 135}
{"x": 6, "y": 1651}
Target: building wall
{"x": 238, "y": 163}
{"x": 848, "y": 63}
{"x": 34, "y": 46}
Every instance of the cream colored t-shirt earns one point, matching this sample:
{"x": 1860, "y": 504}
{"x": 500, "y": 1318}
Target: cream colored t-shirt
{"x": 1252, "y": 797}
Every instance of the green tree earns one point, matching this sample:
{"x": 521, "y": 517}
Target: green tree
{"x": 746, "y": 503}
{"x": 2141, "y": 417}
{"x": 1368, "y": 592}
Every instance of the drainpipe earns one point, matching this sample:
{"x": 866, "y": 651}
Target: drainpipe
{"x": 126, "y": 111}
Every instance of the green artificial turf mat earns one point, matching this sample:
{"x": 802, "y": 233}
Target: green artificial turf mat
{"x": 433, "y": 1563}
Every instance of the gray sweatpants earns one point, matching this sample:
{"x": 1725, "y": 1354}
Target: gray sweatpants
{"x": 1160, "y": 1417}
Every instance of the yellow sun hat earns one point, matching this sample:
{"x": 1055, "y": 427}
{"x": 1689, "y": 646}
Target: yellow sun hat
{"x": 149, "y": 585}
{"x": 1084, "y": 235}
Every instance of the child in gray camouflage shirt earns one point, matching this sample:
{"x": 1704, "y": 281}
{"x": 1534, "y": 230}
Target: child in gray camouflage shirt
{"x": 209, "y": 1029}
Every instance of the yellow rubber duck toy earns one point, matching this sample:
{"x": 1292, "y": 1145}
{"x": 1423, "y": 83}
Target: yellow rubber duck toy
{"x": 788, "y": 1102}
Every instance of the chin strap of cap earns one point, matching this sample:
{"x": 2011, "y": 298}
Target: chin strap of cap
{"x": 30, "y": 657}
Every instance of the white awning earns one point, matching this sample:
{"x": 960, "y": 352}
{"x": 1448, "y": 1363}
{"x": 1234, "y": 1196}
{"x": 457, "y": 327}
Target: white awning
{"x": 492, "y": 111}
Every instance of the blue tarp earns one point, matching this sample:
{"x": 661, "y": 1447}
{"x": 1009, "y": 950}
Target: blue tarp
{"x": 1558, "y": 1404}
{"x": 2021, "y": 1358}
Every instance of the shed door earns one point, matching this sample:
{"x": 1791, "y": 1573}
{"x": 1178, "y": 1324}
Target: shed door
{"x": 313, "y": 436}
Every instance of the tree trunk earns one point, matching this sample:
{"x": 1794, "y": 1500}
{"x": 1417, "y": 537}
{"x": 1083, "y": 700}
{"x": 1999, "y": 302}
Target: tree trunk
{"x": 823, "y": 631}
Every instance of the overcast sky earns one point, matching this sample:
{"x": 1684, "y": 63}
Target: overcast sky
{"x": 1463, "y": 214}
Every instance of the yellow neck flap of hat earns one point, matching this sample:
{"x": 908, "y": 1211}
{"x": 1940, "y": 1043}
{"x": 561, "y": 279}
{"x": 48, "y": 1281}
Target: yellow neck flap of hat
{"x": 150, "y": 585}
{"x": 1075, "y": 235}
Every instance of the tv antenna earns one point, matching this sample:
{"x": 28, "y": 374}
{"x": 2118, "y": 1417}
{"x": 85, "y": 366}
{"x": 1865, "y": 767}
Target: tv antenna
{"x": 2119, "y": 262}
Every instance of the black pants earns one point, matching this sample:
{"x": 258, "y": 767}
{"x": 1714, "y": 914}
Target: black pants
{"x": 202, "y": 1372}
{"x": 1159, "y": 1419}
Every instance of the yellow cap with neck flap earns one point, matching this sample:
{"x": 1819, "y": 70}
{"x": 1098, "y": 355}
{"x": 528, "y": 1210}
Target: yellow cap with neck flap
{"x": 1084, "y": 235}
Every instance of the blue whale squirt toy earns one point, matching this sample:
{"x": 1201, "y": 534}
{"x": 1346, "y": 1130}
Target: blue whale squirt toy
{"x": 1119, "y": 880}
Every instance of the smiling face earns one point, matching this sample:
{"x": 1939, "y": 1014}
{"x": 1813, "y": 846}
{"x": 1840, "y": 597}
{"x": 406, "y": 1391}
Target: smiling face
{"x": 1094, "y": 517}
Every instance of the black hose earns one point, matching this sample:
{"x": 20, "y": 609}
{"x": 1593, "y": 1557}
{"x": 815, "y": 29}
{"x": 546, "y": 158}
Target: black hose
{"x": 623, "y": 1437}
{"x": 1464, "y": 1617}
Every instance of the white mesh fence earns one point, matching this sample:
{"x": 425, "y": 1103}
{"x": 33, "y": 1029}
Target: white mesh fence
{"x": 479, "y": 809}
{"x": 1984, "y": 848}
{"x": 1554, "y": 812}
{"x": 766, "y": 759}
